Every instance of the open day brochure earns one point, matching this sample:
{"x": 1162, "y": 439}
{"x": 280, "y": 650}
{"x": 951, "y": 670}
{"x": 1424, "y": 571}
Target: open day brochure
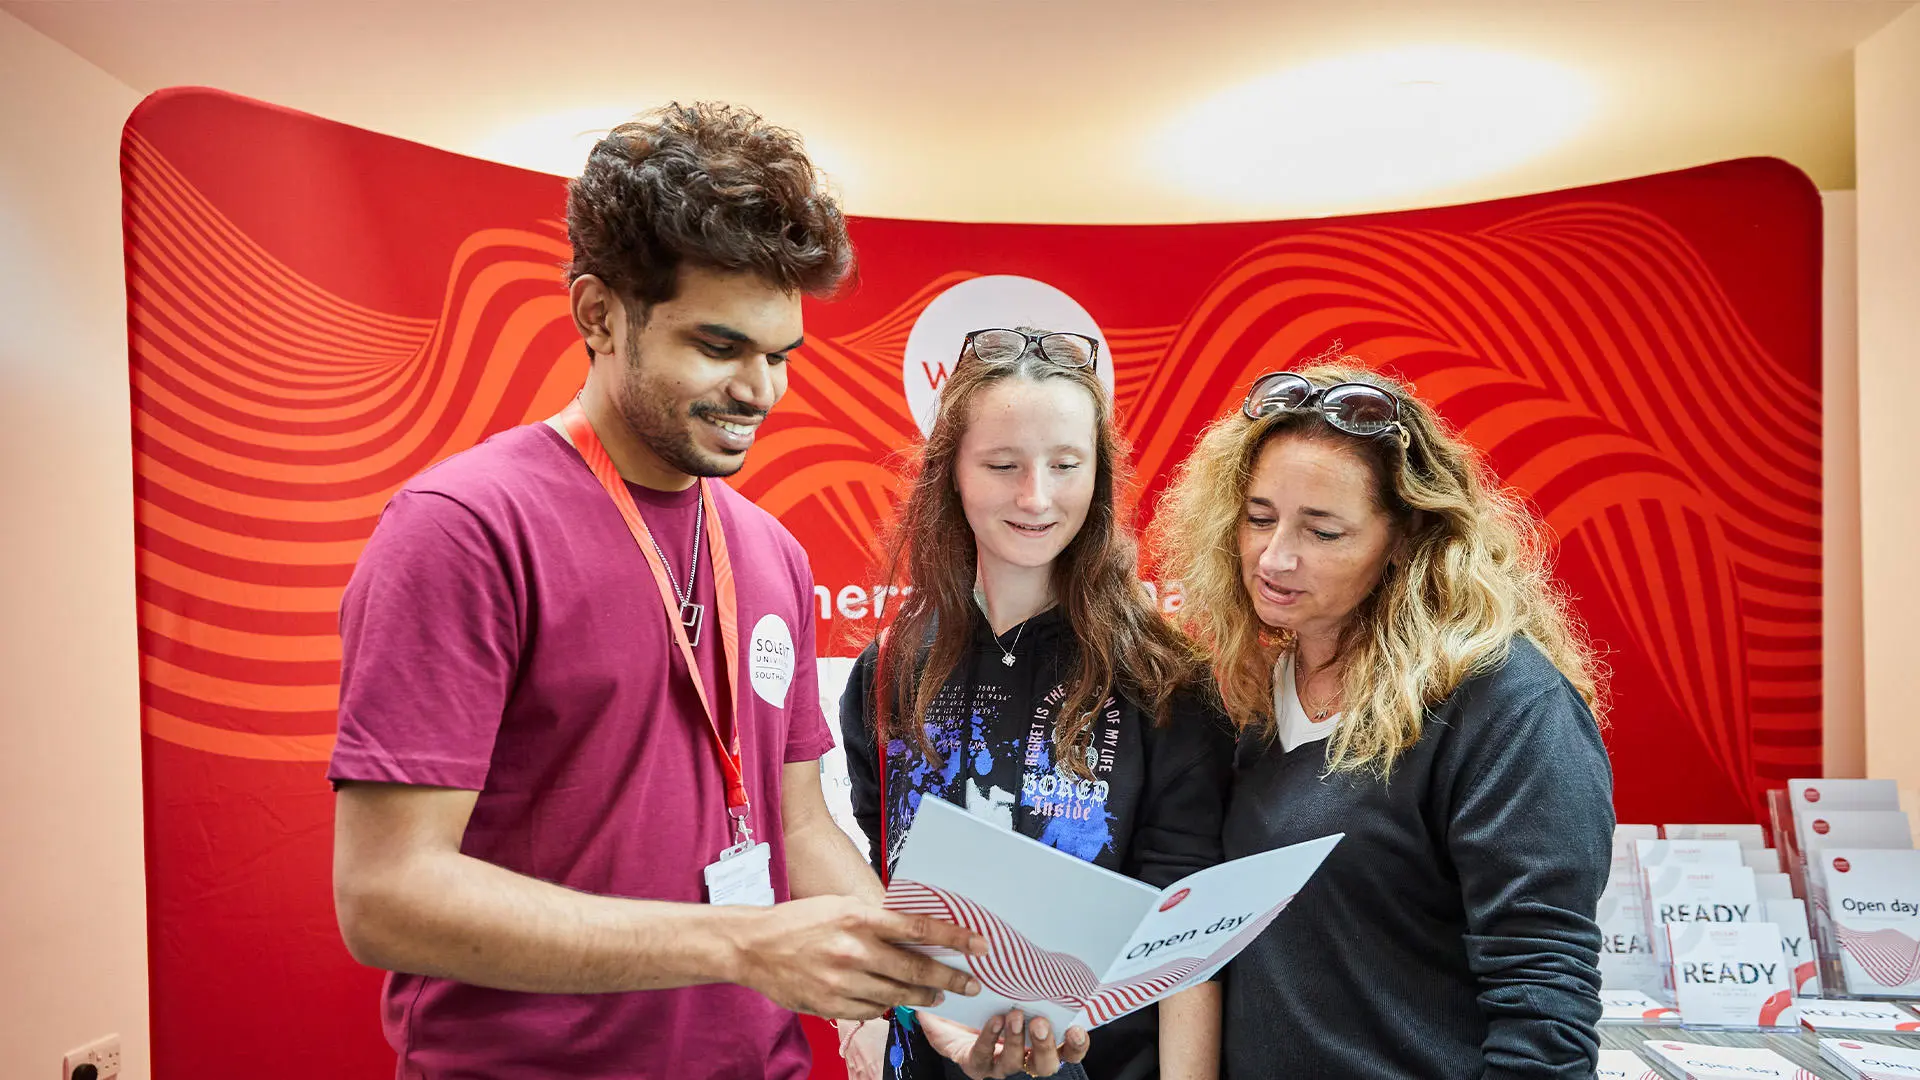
{"x": 1872, "y": 1061}
{"x": 1699, "y": 1061}
{"x": 1623, "y": 1065}
{"x": 1071, "y": 941}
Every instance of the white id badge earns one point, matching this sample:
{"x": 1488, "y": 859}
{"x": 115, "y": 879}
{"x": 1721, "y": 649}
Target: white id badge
{"x": 743, "y": 874}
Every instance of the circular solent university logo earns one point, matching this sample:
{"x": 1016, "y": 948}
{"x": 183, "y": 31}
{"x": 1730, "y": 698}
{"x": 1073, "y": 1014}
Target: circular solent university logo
{"x": 1174, "y": 900}
{"x": 1813, "y": 794}
{"x": 996, "y": 300}
{"x": 1842, "y": 865}
{"x": 770, "y": 660}
{"x": 1820, "y": 826}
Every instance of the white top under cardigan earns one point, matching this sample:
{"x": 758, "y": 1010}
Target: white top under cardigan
{"x": 1296, "y": 727}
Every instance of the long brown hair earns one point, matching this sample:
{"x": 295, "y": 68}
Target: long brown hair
{"x": 1472, "y": 574}
{"x": 1123, "y": 645}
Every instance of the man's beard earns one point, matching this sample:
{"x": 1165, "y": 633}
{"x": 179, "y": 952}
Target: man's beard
{"x": 649, "y": 414}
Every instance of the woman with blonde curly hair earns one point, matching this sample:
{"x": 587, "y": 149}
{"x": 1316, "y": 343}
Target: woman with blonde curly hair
{"x": 1387, "y": 637}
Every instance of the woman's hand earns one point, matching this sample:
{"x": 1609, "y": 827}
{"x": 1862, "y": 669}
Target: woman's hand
{"x": 863, "y": 1045}
{"x": 1008, "y": 1045}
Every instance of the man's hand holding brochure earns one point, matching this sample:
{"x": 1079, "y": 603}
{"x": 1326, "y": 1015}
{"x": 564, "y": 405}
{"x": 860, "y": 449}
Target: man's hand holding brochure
{"x": 1072, "y": 943}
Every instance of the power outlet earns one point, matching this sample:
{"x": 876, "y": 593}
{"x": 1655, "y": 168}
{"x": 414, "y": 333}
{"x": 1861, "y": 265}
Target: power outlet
{"x": 103, "y": 1054}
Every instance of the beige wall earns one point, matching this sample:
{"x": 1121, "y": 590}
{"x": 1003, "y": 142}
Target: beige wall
{"x": 1845, "y": 752}
{"x": 1887, "y": 140}
{"x": 73, "y": 960}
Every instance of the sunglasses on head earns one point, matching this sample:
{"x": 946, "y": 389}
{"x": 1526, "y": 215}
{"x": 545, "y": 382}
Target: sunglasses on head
{"x": 1359, "y": 409}
{"x": 1002, "y": 346}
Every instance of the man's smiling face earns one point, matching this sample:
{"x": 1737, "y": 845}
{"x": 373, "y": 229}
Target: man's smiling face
{"x": 703, "y": 369}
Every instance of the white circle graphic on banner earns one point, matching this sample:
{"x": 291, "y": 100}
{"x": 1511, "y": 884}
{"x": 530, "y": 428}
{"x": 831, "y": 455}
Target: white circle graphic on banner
{"x": 770, "y": 660}
{"x": 975, "y": 304}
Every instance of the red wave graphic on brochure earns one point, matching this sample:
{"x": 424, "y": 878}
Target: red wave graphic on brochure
{"x": 1804, "y": 975}
{"x": 1888, "y": 956}
{"x": 1775, "y": 1005}
{"x": 1018, "y": 970}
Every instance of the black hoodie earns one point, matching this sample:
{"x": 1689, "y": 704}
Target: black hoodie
{"x": 1153, "y": 809}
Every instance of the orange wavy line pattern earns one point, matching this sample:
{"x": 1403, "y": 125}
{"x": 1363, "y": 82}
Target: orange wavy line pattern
{"x": 272, "y": 421}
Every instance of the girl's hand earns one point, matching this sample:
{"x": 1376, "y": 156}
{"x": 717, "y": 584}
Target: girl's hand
{"x": 1009, "y": 1044}
{"x": 863, "y": 1045}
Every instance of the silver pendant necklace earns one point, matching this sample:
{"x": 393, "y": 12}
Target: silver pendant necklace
{"x": 691, "y": 614}
{"x": 1006, "y": 652}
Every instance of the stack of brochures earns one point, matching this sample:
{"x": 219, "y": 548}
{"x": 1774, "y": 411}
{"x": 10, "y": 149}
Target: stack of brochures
{"x": 1871, "y": 1061}
{"x": 1634, "y": 1007}
{"x": 1697, "y": 1061}
{"x": 1667, "y": 877}
{"x": 1623, "y": 1065}
{"x": 1853, "y": 848}
{"x": 1830, "y": 1016}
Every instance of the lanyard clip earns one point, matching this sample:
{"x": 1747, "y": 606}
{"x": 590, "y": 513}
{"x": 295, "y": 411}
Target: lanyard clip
{"x": 742, "y": 832}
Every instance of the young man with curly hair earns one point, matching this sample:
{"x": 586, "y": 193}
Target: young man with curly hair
{"x": 579, "y": 814}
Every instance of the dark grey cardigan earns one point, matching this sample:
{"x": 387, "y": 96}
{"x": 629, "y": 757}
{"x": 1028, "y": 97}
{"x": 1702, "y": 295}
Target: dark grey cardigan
{"x": 1451, "y": 935}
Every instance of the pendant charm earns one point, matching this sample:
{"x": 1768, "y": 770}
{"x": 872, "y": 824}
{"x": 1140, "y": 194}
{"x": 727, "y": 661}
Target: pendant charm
{"x": 691, "y": 615}
{"x": 1007, "y": 659}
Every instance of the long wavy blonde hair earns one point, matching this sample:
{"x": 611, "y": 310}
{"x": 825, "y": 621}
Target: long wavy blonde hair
{"x": 1470, "y": 572}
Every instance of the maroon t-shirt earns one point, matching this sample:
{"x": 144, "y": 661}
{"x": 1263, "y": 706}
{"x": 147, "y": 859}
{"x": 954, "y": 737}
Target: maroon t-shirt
{"x": 503, "y": 634}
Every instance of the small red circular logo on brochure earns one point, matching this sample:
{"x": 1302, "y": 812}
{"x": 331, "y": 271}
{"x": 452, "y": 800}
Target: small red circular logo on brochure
{"x": 1673, "y": 1046}
{"x": 1842, "y": 865}
{"x": 1813, "y": 794}
{"x": 1852, "y": 1046}
{"x": 1174, "y": 900}
{"x": 1820, "y": 826}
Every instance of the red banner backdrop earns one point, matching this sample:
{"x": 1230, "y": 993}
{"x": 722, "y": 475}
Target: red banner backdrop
{"x": 318, "y": 312}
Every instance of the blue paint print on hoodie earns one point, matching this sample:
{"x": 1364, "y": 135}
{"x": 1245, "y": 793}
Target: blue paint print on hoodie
{"x": 1075, "y": 810}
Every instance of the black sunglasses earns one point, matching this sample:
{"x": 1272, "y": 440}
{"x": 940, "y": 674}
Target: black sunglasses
{"x": 1002, "y": 346}
{"x": 1360, "y": 409}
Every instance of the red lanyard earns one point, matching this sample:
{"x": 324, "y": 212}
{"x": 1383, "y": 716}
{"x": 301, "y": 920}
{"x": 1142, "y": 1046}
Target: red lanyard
{"x": 728, "y": 749}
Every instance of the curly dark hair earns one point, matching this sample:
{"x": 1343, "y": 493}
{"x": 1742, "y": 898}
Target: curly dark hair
{"x": 706, "y": 183}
